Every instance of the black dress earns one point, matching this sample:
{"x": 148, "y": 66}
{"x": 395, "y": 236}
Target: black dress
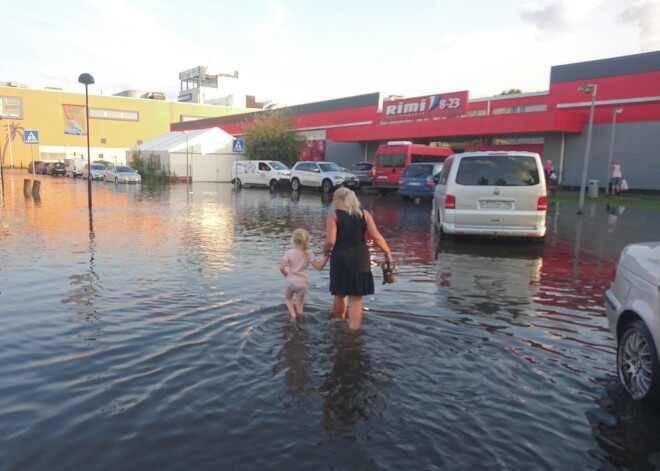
{"x": 350, "y": 265}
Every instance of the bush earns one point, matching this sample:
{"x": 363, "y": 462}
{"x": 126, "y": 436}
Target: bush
{"x": 148, "y": 169}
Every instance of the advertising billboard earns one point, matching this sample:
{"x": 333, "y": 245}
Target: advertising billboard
{"x": 425, "y": 107}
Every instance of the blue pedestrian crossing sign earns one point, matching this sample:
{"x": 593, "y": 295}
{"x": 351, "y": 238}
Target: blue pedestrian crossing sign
{"x": 31, "y": 137}
{"x": 238, "y": 146}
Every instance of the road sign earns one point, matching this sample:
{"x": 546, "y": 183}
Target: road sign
{"x": 31, "y": 137}
{"x": 238, "y": 146}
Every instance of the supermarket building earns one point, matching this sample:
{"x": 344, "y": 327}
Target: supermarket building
{"x": 624, "y": 91}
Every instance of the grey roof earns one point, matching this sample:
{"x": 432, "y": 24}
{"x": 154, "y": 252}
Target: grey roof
{"x": 173, "y": 140}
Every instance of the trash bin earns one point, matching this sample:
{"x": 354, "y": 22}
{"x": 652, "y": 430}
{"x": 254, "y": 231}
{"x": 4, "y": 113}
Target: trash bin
{"x": 593, "y": 188}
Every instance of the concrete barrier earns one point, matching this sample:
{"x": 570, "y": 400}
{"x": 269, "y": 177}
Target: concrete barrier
{"x": 27, "y": 187}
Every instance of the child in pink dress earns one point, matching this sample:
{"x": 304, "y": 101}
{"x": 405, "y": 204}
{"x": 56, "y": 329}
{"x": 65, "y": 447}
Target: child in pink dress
{"x": 298, "y": 258}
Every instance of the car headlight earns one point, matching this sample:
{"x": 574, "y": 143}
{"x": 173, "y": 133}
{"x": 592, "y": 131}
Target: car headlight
{"x": 338, "y": 179}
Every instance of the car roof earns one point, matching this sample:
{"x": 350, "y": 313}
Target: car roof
{"x": 495, "y": 154}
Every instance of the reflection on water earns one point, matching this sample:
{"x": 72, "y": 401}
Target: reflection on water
{"x": 153, "y": 332}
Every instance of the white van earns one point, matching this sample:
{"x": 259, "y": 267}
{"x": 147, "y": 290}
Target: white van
{"x": 74, "y": 167}
{"x": 491, "y": 193}
{"x": 269, "y": 173}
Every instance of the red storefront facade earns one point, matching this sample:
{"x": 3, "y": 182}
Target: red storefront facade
{"x": 552, "y": 123}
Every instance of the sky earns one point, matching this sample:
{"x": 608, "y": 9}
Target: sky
{"x": 302, "y": 51}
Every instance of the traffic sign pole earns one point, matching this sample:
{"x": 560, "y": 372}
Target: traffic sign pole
{"x": 34, "y": 171}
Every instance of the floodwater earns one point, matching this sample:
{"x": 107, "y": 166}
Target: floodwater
{"x": 153, "y": 335}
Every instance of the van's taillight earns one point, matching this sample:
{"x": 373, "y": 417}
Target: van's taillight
{"x": 542, "y": 205}
{"x": 450, "y": 202}
{"x": 400, "y": 182}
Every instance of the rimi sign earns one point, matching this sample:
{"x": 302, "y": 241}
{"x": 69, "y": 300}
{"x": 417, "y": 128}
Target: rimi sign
{"x": 425, "y": 107}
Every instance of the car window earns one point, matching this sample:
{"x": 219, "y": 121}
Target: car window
{"x": 125, "y": 169}
{"x": 98, "y": 167}
{"x": 444, "y": 175}
{"x": 304, "y": 167}
{"x": 362, "y": 167}
{"x": 329, "y": 167}
{"x": 510, "y": 170}
{"x": 264, "y": 166}
{"x": 417, "y": 171}
{"x": 278, "y": 165}
{"x": 391, "y": 160}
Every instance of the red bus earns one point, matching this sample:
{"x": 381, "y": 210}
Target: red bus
{"x": 392, "y": 158}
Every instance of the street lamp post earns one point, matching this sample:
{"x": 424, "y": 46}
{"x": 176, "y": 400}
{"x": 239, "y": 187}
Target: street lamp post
{"x": 87, "y": 80}
{"x": 591, "y": 88}
{"x": 609, "y": 159}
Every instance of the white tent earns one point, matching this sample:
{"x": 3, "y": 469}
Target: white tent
{"x": 207, "y": 152}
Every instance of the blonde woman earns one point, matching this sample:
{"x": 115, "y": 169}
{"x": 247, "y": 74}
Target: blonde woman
{"x": 297, "y": 259}
{"x": 350, "y": 265}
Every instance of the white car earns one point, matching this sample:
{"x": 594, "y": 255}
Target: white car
{"x": 633, "y": 310}
{"x": 121, "y": 174}
{"x": 97, "y": 172}
{"x": 325, "y": 175}
{"x": 491, "y": 194}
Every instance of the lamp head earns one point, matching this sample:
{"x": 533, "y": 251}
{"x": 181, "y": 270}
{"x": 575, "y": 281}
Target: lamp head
{"x": 86, "y": 79}
{"x": 618, "y": 110}
{"x": 587, "y": 88}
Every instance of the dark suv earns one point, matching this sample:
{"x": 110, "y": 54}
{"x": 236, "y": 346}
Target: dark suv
{"x": 57, "y": 168}
{"x": 36, "y": 165}
{"x": 364, "y": 172}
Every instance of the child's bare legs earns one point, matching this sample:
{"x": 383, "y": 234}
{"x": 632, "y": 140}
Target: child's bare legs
{"x": 300, "y": 304}
{"x": 354, "y": 312}
{"x": 339, "y": 307}
{"x": 288, "y": 298}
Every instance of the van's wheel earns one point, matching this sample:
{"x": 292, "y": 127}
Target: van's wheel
{"x": 116, "y": 181}
{"x": 273, "y": 184}
{"x": 637, "y": 362}
{"x": 295, "y": 184}
{"x": 239, "y": 183}
{"x": 327, "y": 186}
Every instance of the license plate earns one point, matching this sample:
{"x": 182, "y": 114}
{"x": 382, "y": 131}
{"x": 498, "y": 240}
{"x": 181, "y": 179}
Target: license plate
{"x": 382, "y": 177}
{"x": 496, "y": 204}
{"x": 415, "y": 184}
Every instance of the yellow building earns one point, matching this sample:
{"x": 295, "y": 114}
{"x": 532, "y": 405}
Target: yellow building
{"x": 117, "y": 123}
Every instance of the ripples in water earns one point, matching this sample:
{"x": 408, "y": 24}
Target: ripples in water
{"x": 155, "y": 336}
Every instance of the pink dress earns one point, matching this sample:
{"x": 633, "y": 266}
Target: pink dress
{"x": 298, "y": 262}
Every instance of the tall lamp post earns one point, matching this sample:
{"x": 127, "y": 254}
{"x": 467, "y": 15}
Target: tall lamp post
{"x": 591, "y": 88}
{"x": 87, "y": 80}
{"x": 609, "y": 159}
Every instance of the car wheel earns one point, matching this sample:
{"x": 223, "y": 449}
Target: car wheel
{"x": 239, "y": 183}
{"x": 295, "y": 184}
{"x": 326, "y": 186}
{"x": 273, "y": 184}
{"x": 637, "y": 362}
{"x": 116, "y": 180}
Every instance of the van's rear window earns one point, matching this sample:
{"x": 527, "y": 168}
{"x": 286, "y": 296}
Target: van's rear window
{"x": 512, "y": 170}
{"x": 391, "y": 160}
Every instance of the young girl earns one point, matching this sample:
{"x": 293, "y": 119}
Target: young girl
{"x": 298, "y": 259}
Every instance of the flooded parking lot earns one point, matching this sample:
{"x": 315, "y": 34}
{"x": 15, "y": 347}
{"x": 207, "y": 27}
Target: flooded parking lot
{"x": 154, "y": 334}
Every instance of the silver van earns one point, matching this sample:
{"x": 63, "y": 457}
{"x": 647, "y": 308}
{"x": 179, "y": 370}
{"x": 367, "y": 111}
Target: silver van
{"x": 491, "y": 193}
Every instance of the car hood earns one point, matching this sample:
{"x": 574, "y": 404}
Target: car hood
{"x": 644, "y": 260}
{"x": 339, "y": 174}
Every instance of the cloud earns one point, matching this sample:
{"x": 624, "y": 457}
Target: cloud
{"x": 560, "y": 16}
{"x": 646, "y": 13}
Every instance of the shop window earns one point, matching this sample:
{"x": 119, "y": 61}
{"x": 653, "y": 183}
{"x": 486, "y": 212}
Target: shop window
{"x": 11, "y": 107}
{"x": 120, "y": 115}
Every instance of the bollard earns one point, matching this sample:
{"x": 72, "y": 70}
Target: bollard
{"x": 27, "y": 187}
{"x": 35, "y": 189}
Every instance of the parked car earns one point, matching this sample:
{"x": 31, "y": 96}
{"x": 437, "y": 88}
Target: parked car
{"x": 417, "y": 180}
{"x": 42, "y": 168}
{"x": 269, "y": 173}
{"x": 74, "y": 167}
{"x": 121, "y": 174}
{"x": 365, "y": 173}
{"x": 491, "y": 193}
{"x": 325, "y": 175}
{"x": 97, "y": 171}
{"x": 105, "y": 163}
{"x": 57, "y": 168}
{"x": 36, "y": 165}
{"x": 633, "y": 310}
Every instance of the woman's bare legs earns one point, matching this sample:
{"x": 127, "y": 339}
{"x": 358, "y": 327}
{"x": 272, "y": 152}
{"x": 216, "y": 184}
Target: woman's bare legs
{"x": 354, "y": 312}
{"x": 339, "y": 307}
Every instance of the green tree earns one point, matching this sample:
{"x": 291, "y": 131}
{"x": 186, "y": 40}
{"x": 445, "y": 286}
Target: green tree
{"x": 271, "y": 136}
